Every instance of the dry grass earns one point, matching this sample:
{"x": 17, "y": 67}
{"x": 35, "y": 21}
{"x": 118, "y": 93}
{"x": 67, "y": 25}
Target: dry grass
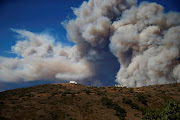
{"x": 78, "y": 102}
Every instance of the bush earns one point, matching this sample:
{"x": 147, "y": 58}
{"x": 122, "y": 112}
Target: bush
{"x": 133, "y": 105}
{"x": 53, "y": 94}
{"x": 142, "y": 99}
{"x": 107, "y": 102}
{"x": 162, "y": 91}
{"x": 120, "y": 89}
{"x": 100, "y": 93}
{"x": 171, "y": 111}
{"x": 120, "y": 112}
{"x": 87, "y": 92}
{"x": 30, "y": 95}
{"x": 131, "y": 90}
{"x": 64, "y": 94}
{"x": 73, "y": 94}
{"x": 127, "y": 101}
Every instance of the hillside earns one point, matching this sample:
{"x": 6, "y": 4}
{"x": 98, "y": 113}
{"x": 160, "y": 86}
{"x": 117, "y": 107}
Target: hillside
{"x": 77, "y": 102}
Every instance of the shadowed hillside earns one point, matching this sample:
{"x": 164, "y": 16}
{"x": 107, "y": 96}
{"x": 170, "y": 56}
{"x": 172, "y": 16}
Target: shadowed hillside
{"x": 77, "y": 102}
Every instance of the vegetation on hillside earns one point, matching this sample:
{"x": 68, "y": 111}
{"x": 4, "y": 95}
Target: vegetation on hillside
{"x": 78, "y": 102}
{"x": 170, "y": 111}
{"x": 120, "y": 112}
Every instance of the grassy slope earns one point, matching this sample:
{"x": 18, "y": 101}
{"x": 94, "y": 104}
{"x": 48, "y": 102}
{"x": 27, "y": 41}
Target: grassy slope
{"x": 78, "y": 102}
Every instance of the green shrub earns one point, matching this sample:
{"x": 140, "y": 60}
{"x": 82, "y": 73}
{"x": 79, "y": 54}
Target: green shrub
{"x": 67, "y": 92}
{"x": 53, "y": 94}
{"x": 136, "y": 114}
{"x": 142, "y": 99}
{"x": 120, "y": 89}
{"x": 170, "y": 111}
{"x": 131, "y": 90}
{"x": 64, "y": 94}
{"x": 87, "y": 92}
{"x": 127, "y": 101}
{"x": 162, "y": 91}
{"x": 106, "y": 102}
{"x": 149, "y": 95}
{"x": 100, "y": 93}
{"x": 30, "y": 95}
{"x": 73, "y": 94}
{"x": 120, "y": 112}
{"x": 133, "y": 105}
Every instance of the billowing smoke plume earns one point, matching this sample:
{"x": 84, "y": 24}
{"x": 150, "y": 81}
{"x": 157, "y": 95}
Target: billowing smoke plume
{"x": 145, "y": 40}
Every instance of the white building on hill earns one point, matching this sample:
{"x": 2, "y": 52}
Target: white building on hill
{"x": 73, "y": 82}
{"x": 118, "y": 85}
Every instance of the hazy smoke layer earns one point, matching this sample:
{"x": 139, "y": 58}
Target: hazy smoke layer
{"x": 42, "y": 59}
{"x": 145, "y": 40}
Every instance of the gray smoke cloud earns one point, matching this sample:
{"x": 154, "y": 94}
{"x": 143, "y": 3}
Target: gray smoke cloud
{"x": 146, "y": 42}
{"x": 143, "y": 38}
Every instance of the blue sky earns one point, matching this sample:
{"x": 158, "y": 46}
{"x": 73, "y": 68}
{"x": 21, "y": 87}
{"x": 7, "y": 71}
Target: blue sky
{"x": 43, "y": 16}
{"x": 33, "y": 15}
{"x": 40, "y": 16}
